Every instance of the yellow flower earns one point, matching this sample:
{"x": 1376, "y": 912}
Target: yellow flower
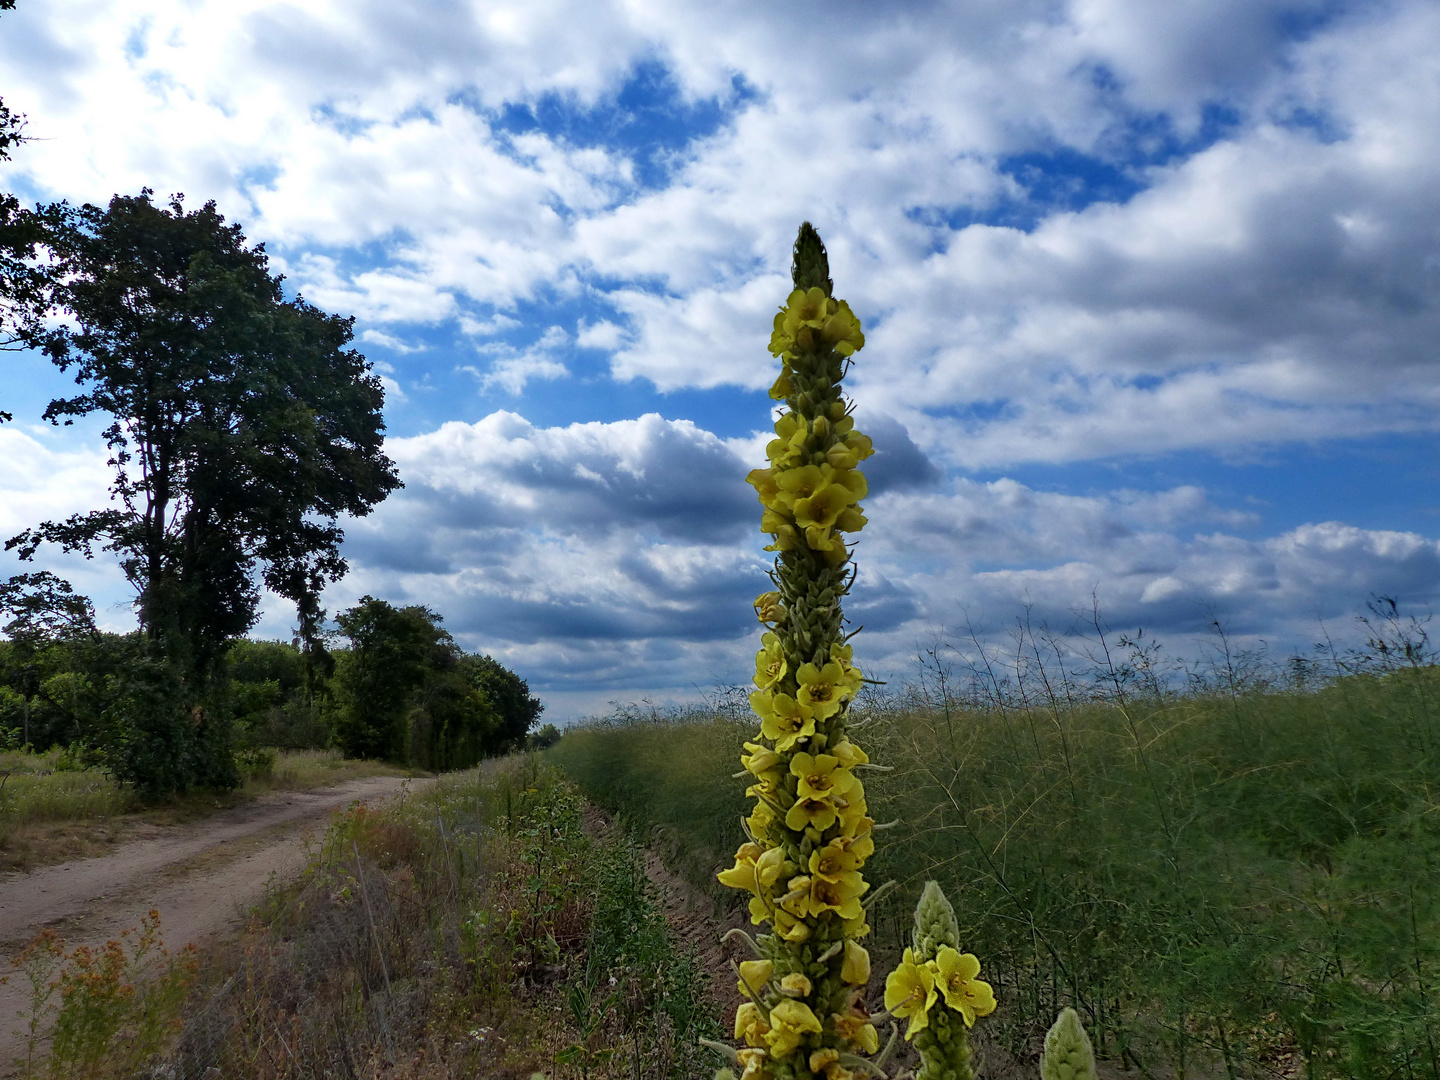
{"x": 853, "y": 815}
{"x": 798, "y": 484}
{"x": 840, "y": 893}
{"x": 753, "y": 1062}
{"x": 820, "y": 776}
{"x": 910, "y": 992}
{"x": 754, "y": 974}
{"x": 781, "y": 719}
{"x": 743, "y": 874}
{"x": 781, "y": 388}
{"x": 821, "y": 1059}
{"x": 763, "y": 481}
{"x": 851, "y": 520}
{"x": 833, "y": 859}
{"x": 846, "y": 752}
{"x": 788, "y": 445}
{"x": 769, "y": 609}
{"x": 818, "y": 814}
{"x": 770, "y": 665}
{"x": 749, "y": 1024}
{"x": 781, "y": 342}
{"x": 956, "y": 976}
{"x": 820, "y": 693}
{"x": 855, "y": 970}
{"x": 853, "y": 1024}
{"x": 806, "y": 307}
{"x": 761, "y": 759}
{"x": 790, "y": 927}
{"x": 824, "y": 507}
{"x": 856, "y": 838}
{"x": 795, "y": 985}
{"x": 842, "y": 331}
{"x": 760, "y": 819}
{"x": 790, "y": 1022}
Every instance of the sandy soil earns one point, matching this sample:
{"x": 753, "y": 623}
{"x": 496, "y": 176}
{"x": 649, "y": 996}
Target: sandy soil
{"x": 201, "y": 876}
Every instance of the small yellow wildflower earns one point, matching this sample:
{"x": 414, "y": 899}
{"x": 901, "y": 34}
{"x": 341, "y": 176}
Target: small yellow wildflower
{"x": 806, "y": 307}
{"x": 769, "y": 609}
{"x": 763, "y": 481}
{"x": 781, "y": 388}
{"x": 955, "y": 975}
{"x": 821, "y": 693}
{"x": 790, "y": 1022}
{"x": 770, "y": 664}
{"x": 819, "y": 814}
{"x": 753, "y": 1062}
{"x": 910, "y": 992}
{"x": 832, "y": 859}
{"x": 750, "y": 1025}
{"x": 781, "y": 719}
{"x": 853, "y": 1024}
{"x": 760, "y": 759}
{"x": 743, "y": 874}
{"x": 754, "y": 974}
{"x": 840, "y": 894}
{"x": 820, "y": 776}
{"x": 846, "y": 752}
{"x": 842, "y": 331}
{"x": 856, "y": 968}
{"x": 795, "y": 985}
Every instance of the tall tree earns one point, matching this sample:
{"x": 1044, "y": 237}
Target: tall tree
{"x": 23, "y": 277}
{"x": 242, "y": 426}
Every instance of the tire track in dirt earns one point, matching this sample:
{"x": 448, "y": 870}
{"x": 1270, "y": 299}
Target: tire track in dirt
{"x": 202, "y": 877}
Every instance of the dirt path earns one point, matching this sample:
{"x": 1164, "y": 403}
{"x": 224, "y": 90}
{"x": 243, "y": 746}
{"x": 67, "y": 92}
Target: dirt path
{"x": 201, "y": 876}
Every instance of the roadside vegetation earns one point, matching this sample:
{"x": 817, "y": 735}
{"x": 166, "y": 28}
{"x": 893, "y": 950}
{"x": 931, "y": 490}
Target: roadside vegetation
{"x": 477, "y": 929}
{"x": 1228, "y": 870}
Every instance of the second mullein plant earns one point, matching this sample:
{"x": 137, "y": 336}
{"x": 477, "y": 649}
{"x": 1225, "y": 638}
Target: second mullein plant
{"x": 805, "y": 1013}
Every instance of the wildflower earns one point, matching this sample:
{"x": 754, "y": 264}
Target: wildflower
{"x": 760, "y": 760}
{"x": 753, "y": 1063}
{"x": 781, "y": 719}
{"x": 821, "y": 690}
{"x": 820, "y": 776}
{"x": 833, "y": 859}
{"x": 754, "y": 974}
{"x": 955, "y": 976}
{"x": 795, "y": 985}
{"x": 856, "y": 968}
{"x": 853, "y": 1024}
{"x": 842, "y": 331}
{"x": 770, "y": 665}
{"x": 910, "y": 992}
{"x": 769, "y": 609}
{"x": 743, "y": 874}
{"x": 749, "y": 1024}
{"x": 790, "y": 1022}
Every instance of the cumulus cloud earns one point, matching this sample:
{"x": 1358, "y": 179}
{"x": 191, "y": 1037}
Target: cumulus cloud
{"x": 1075, "y": 231}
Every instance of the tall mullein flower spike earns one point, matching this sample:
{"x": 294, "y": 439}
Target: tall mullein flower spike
{"x": 809, "y": 832}
{"x": 937, "y": 988}
{"x": 1068, "y": 1054}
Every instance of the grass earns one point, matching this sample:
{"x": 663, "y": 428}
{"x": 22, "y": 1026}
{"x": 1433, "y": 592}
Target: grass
{"x": 476, "y": 929}
{"x": 53, "y": 810}
{"x": 1238, "y": 880}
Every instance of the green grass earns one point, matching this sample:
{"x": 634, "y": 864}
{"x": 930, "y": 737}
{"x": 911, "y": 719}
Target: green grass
{"x": 1236, "y": 883}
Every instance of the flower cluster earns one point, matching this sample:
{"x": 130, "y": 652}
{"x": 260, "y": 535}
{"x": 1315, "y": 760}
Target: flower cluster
{"x": 809, "y": 832}
{"x": 939, "y": 990}
{"x": 913, "y": 989}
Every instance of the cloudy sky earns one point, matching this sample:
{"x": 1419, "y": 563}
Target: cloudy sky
{"x": 1150, "y": 294}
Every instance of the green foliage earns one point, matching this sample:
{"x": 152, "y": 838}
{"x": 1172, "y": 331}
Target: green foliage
{"x": 242, "y": 428}
{"x": 408, "y": 694}
{"x": 1240, "y": 878}
{"x": 516, "y": 709}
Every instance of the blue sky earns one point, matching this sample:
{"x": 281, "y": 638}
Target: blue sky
{"x": 1150, "y": 294}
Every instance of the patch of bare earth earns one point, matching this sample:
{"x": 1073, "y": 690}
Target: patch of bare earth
{"x": 202, "y": 876}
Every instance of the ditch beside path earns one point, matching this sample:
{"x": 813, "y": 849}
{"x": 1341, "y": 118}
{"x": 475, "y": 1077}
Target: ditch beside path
{"x": 201, "y": 876}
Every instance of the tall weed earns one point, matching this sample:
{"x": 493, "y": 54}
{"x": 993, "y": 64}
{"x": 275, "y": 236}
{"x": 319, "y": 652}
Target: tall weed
{"x": 1227, "y": 870}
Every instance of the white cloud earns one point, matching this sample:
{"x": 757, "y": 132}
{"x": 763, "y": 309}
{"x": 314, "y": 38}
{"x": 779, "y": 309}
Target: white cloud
{"x": 603, "y": 334}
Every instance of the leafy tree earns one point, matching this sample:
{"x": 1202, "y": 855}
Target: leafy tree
{"x": 391, "y": 651}
{"x": 243, "y": 428}
{"x": 517, "y": 709}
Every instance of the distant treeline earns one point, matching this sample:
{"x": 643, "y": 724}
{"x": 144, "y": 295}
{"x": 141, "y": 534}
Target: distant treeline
{"x": 398, "y": 688}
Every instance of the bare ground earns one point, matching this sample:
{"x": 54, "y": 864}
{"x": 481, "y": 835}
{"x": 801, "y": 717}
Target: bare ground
{"x": 201, "y": 876}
